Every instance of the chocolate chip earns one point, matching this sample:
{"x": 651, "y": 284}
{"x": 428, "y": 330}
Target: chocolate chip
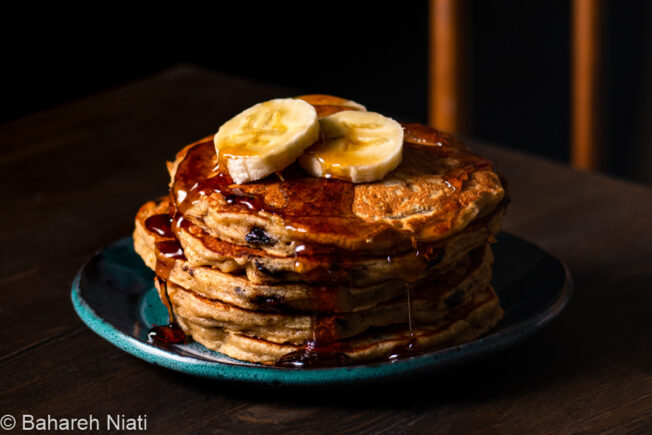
{"x": 272, "y": 302}
{"x": 258, "y": 236}
{"x": 261, "y": 268}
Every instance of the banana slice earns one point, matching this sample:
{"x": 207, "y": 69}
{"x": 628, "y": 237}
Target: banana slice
{"x": 355, "y": 146}
{"x": 266, "y": 138}
{"x": 328, "y": 104}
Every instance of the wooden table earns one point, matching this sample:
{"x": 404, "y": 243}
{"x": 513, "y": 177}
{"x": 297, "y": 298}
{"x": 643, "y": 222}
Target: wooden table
{"x": 73, "y": 177}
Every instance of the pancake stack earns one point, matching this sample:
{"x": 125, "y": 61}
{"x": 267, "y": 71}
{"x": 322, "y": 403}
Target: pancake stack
{"x": 300, "y": 271}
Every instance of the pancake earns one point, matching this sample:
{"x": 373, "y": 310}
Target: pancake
{"x": 297, "y": 328}
{"x": 238, "y": 291}
{"x": 200, "y": 249}
{"x": 469, "y": 321}
{"x": 241, "y": 292}
{"x": 438, "y": 189}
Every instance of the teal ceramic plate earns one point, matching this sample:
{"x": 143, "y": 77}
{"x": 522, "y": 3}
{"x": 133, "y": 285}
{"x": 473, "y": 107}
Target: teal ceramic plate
{"x": 113, "y": 294}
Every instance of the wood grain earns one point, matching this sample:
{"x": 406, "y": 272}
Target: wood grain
{"x": 74, "y": 176}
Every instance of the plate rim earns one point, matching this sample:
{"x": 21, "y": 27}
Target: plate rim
{"x": 278, "y": 376}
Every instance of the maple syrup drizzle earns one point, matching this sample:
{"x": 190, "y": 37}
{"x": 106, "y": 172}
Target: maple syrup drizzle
{"x": 167, "y": 334}
{"x": 411, "y": 347}
{"x": 160, "y": 224}
{"x": 324, "y": 349}
{"x": 167, "y": 252}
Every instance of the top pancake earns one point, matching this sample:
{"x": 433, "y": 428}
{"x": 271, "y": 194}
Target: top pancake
{"x": 438, "y": 189}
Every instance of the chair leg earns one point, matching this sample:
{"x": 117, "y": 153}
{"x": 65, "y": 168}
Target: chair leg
{"x": 444, "y": 99}
{"x": 584, "y": 84}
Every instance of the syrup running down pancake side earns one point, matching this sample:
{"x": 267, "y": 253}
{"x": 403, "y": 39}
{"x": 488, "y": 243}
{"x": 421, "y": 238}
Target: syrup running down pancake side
{"x": 166, "y": 251}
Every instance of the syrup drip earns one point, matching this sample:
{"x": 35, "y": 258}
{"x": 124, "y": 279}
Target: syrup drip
{"x": 167, "y": 334}
{"x": 167, "y": 251}
{"x": 160, "y": 224}
{"x": 409, "y": 287}
{"x": 323, "y": 350}
{"x": 199, "y": 175}
{"x": 313, "y": 357}
{"x": 407, "y": 350}
{"x": 411, "y": 348}
{"x": 170, "y": 333}
{"x": 423, "y": 135}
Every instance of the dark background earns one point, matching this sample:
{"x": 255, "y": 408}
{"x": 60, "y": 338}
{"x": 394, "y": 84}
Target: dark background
{"x": 373, "y": 52}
